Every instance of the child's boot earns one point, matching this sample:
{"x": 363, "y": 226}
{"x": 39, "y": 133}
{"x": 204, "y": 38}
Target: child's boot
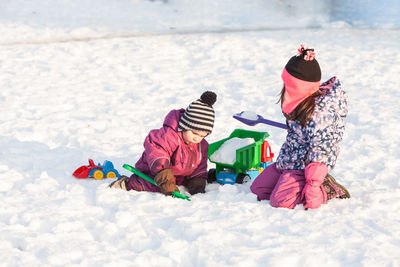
{"x": 120, "y": 183}
{"x": 333, "y": 189}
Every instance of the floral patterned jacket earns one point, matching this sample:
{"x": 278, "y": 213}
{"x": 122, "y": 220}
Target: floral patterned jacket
{"x": 319, "y": 140}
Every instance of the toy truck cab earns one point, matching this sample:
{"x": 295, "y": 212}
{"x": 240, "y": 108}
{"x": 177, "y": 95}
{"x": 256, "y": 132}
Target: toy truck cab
{"x": 106, "y": 170}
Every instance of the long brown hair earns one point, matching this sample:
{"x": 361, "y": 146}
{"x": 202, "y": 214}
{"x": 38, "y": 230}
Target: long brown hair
{"x": 304, "y": 111}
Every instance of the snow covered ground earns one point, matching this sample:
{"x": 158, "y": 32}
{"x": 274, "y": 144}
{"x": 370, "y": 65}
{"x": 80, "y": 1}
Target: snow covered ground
{"x": 81, "y": 80}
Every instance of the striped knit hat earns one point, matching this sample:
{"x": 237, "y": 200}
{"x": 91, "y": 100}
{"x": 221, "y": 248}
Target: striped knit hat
{"x": 199, "y": 115}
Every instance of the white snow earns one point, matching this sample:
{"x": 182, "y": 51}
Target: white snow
{"x": 226, "y": 153}
{"x": 89, "y": 79}
{"x": 250, "y": 115}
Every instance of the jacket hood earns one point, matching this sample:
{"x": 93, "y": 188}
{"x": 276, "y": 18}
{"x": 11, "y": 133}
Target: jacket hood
{"x": 334, "y": 97}
{"x": 173, "y": 117}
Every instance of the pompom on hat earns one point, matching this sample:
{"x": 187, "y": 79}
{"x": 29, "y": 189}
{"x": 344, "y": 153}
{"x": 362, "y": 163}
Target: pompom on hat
{"x": 301, "y": 76}
{"x": 199, "y": 115}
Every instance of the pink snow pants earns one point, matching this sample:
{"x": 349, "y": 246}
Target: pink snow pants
{"x": 282, "y": 187}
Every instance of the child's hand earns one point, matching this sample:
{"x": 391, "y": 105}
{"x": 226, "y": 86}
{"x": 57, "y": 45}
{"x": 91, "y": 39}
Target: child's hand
{"x": 166, "y": 180}
{"x": 314, "y": 174}
{"x": 312, "y": 195}
{"x": 168, "y": 188}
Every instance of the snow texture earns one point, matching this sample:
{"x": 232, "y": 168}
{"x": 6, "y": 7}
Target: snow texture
{"x": 89, "y": 79}
{"x": 226, "y": 153}
{"x": 249, "y": 115}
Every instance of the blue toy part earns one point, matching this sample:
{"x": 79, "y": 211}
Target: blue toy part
{"x": 106, "y": 170}
{"x": 264, "y": 165}
{"x": 224, "y": 177}
{"x": 253, "y": 173}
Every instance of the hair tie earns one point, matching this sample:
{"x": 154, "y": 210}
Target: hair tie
{"x": 307, "y": 53}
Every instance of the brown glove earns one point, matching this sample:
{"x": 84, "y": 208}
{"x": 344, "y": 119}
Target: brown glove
{"x": 166, "y": 180}
{"x": 196, "y": 185}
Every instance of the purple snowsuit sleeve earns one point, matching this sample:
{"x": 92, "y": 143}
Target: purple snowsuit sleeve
{"x": 159, "y": 145}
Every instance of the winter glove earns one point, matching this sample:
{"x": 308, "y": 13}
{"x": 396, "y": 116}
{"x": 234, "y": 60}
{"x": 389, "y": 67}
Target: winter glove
{"x": 166, "y": 180}
{"x": 313, "y": 196}
{"x": 315, "y": 173}
{"x": 211, "y": 176}
{"x": 196, "y": 185}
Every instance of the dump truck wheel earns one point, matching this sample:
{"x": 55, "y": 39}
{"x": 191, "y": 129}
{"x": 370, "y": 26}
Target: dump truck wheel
{"x": 242, "y": 178}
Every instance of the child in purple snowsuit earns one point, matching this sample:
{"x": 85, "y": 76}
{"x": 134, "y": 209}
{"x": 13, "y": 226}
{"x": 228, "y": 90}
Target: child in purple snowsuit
{"x": 314, "y": 115}
{"x": 176, "y": 154}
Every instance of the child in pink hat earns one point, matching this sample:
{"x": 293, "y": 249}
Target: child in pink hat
{"x": 315, "y": 115}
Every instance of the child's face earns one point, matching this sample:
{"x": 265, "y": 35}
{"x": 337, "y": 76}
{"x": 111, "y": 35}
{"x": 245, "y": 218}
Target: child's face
{"x": 193, "y": 136}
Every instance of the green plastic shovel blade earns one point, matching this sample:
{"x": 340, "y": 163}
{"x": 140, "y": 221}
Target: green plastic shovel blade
{"x": 150, "y": 180}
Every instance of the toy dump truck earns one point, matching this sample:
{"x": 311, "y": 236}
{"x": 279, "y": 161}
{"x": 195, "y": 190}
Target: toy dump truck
{"x": 249, "y": 161}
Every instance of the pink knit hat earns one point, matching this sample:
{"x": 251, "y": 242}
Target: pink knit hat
{"x": 301, "y": 76}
